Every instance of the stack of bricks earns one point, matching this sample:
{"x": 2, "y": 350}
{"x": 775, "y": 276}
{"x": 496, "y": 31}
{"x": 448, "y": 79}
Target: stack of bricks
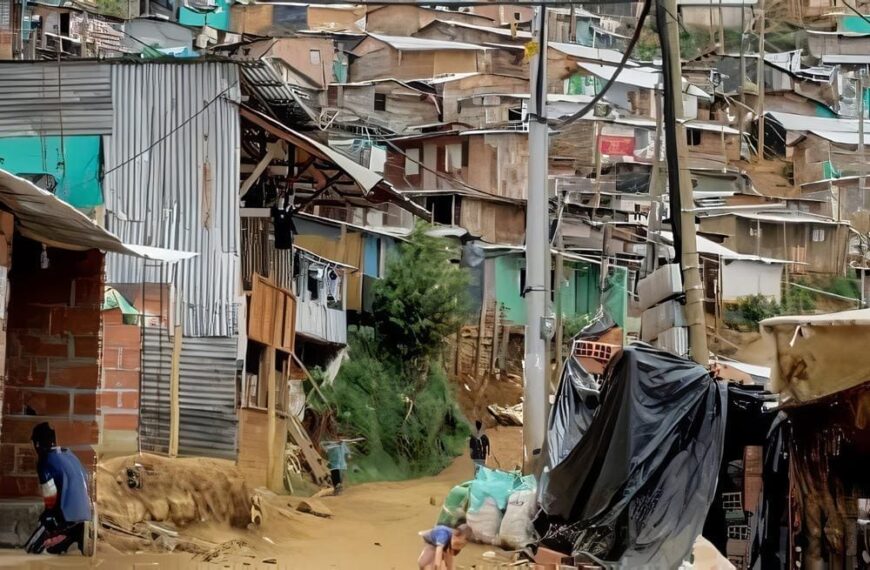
{"x": 53, "y": 358}
{"x": 119, "y": 398}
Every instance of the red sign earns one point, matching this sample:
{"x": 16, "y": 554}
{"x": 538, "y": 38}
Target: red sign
{"x": 617, "y": 145}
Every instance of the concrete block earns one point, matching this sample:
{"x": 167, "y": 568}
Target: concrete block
{"x": 18, "y": 519}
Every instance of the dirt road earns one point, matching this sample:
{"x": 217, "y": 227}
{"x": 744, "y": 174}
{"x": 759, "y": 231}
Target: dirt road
{"x": 374, "y": 526}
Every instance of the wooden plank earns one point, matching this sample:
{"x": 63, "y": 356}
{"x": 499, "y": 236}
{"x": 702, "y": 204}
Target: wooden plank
{"x": 309, "y": 377}
{"x": 174, "y": 390}
{"x": 268, "y": 362}
{"x": 319, "y": 468}
{"x": 289, "y": 340}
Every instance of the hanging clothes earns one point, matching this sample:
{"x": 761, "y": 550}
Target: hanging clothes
{"x": 333, "y": 291}
{"x": 282, "y": 222}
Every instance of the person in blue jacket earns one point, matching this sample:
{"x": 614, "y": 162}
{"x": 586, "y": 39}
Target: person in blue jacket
{"x": 64, "y": 484}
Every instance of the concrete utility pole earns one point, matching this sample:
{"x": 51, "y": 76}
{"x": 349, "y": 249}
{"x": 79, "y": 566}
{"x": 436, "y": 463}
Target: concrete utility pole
{"x": 537, "y": 254}
{"x": 680, "y": 181}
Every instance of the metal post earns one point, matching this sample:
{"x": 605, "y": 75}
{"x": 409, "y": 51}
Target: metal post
{"x": 759, "y": 74}
{"x": 681, "y": 181}
{"x": 537, "y": 254}
{"x": 862, "y": 172}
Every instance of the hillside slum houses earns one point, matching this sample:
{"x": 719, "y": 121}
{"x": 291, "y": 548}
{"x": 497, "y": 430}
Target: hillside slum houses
{"x": 261, "y": 162}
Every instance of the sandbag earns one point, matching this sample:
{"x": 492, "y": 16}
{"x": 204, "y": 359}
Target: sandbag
{"x": 455, "y": 505}
{"x": 497, "y": 485}
{"x": 485, "y": 522}
{"x": 516, "y": 530}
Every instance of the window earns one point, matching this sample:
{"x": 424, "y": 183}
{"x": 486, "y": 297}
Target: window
{"x": 314, "y": 56}
{"x": 380, "y": 101}
{"x": 453, "y": 154}
{"x": 755, "y": 231}
{"x": 442, "y": 209}
{"x": 465, "y": 152}
{"x": 412, "y": 162}
{"x": 818, "y": 234}
{"x": 522, "y": 282}
{"x": 693, "y": 137}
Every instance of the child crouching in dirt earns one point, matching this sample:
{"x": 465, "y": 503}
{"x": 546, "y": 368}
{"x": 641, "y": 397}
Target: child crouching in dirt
{"x": 443, "y": 544}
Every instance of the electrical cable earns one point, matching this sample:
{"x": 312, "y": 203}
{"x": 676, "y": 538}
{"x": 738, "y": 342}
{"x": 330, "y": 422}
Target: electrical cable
{"x": 625, "y": 57}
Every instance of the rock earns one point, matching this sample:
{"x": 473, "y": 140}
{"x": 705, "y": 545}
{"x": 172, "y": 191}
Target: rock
{"x": 314, "y": 507}
{"x": 433, "y": 501}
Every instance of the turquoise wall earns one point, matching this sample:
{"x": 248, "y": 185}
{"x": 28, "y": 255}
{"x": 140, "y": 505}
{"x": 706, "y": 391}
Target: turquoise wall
{"x": 854, "y": 24}
{"x": 76, "y": 168}
{"x": 219, "y": 18}
{"x": 580, "y": 295}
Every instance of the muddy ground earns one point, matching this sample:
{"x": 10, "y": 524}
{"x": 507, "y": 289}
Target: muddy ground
{"x": 374, "y": 526}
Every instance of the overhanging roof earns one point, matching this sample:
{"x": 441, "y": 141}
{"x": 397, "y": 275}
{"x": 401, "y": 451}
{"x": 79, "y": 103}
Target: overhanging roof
{"x": 43, "y": 217}
{"x": 372, "y": 187}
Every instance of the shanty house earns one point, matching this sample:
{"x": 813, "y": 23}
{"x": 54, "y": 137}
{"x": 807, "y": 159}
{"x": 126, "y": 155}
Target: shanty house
{"x": 393, "y": 57}
{"x": 407, "y": 20}
{"x": 386, "y": 104}
{"x": 813, "y": 243}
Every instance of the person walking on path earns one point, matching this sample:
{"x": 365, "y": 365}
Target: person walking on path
{"x": 478, "y": 444}
{"x": 337, "y": 453}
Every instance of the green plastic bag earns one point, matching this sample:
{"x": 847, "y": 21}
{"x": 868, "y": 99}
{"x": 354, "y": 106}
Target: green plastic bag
{"x": 455, "y": 505}
{"x": 497, "y": 485}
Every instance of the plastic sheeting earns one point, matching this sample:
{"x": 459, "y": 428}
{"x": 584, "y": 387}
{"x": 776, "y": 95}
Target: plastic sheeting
{"x": 570, "y": 416}
{"x": 641, "y": 480}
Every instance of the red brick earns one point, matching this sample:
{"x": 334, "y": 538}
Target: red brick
{"x": 86, "y": 346}
{"x": 36, "y": 319}
{"x": 85, "y": 404}
{"x": 14, "y": 487}
{"x": 128, "y": 400}
{"x": 75, "y": 320}
{"x": 74, "y": 374}
{"x": 87, "y": 456}
{"x": 130, "y": 359}
{"x": 111, "y": 357}
{"x": 128, "y": 379}
{"x": 26, "y": 372}
{"x": 7, "y": 458}
{"x": 24, "y": 459}
{"x": 89, "y": 291}
{"x": 52, "y": 346}
{"x": 113, "y": 317}
{"x": 121, "y": 336}
{"x": 121, "y": 421}
{"x": 43, "y": 402}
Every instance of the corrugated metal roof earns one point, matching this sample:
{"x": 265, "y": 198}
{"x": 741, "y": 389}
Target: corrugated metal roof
{"x": 422, "y": 44}
{"x": 795, "y": 122}
{"x": 207, "y": 395}
{"x": 590, "y": 53}
{"x": 172, "y": 180}
{"x": 53, "y": 98}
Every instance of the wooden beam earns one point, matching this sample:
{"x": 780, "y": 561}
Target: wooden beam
{"x": 271, "y": 154}
{"x": 268, "y": 362}
{"x": 174, "y": 393}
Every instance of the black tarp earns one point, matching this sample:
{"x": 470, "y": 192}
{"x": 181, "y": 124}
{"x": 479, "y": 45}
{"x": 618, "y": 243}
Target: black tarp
{"x": 571, "y": 413}
{"x": 641, "y": 480}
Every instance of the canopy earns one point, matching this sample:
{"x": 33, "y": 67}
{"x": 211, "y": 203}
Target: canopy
{"x": 43, "y": 217}
{"x": 817, "y": 355}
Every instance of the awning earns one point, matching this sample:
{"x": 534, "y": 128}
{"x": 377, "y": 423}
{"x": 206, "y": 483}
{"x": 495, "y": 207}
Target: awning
{"x": 43, "y": 217}
{"x": 372, "y": 188}
{"x": 817, "y": 355}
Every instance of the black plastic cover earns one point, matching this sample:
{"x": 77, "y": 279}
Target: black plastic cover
{"x": 571, "y": 414}
{"x": 642, "y": 478}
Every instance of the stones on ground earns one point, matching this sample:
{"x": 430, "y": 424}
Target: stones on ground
{"x": 314, "y": 507}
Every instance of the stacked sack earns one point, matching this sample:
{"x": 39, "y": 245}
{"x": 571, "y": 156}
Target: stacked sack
{"x": 499, "y": 506}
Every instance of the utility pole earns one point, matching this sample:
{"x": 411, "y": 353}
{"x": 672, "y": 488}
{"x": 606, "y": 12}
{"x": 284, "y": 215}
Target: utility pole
{"x": 656, "y": 191}
{"x": 862, "y": 172}
{"x": 759, "y": 74}
{"x": 679, "y": 181}
{"x": 537, "y": 254}
{"x": 741, "y": 111}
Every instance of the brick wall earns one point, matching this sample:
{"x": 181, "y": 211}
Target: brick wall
{"x": 53, "y": 358}
{"x": 119, "y": 398}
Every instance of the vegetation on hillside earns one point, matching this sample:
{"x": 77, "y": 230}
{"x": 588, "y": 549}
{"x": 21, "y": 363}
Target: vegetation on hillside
{"x": 394, "y": 391}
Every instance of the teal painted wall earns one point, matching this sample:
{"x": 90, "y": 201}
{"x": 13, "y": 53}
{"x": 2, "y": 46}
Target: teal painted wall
{"x": 77, "y": 173}
{"x": 580, "y": 295}
{"x": 854, "y": 24}
{"x": 219, "y": 18}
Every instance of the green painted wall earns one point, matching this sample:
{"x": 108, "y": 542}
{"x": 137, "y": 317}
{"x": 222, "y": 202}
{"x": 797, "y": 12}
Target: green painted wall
{"x": 218, "y": 17}
{"x": 580, "y": 295}
{"x": 850, "y": 23}
{"x": 76, "y": 168}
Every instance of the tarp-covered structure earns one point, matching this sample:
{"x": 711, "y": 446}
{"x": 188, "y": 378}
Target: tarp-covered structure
{"x": 637, "y": 487}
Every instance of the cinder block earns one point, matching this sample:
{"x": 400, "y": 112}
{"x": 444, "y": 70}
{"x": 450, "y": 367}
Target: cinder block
{"x": 17, "y": 519}
{"x": 73, "y": 374}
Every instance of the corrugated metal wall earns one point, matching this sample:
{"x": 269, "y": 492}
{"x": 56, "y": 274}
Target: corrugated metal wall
{"x": 208, "y": 419}
{"x": 51, "y": 98}
{"x": 172, "y": 180}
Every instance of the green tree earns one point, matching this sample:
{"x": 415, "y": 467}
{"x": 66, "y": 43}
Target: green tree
{"x": 422, "y": 298}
